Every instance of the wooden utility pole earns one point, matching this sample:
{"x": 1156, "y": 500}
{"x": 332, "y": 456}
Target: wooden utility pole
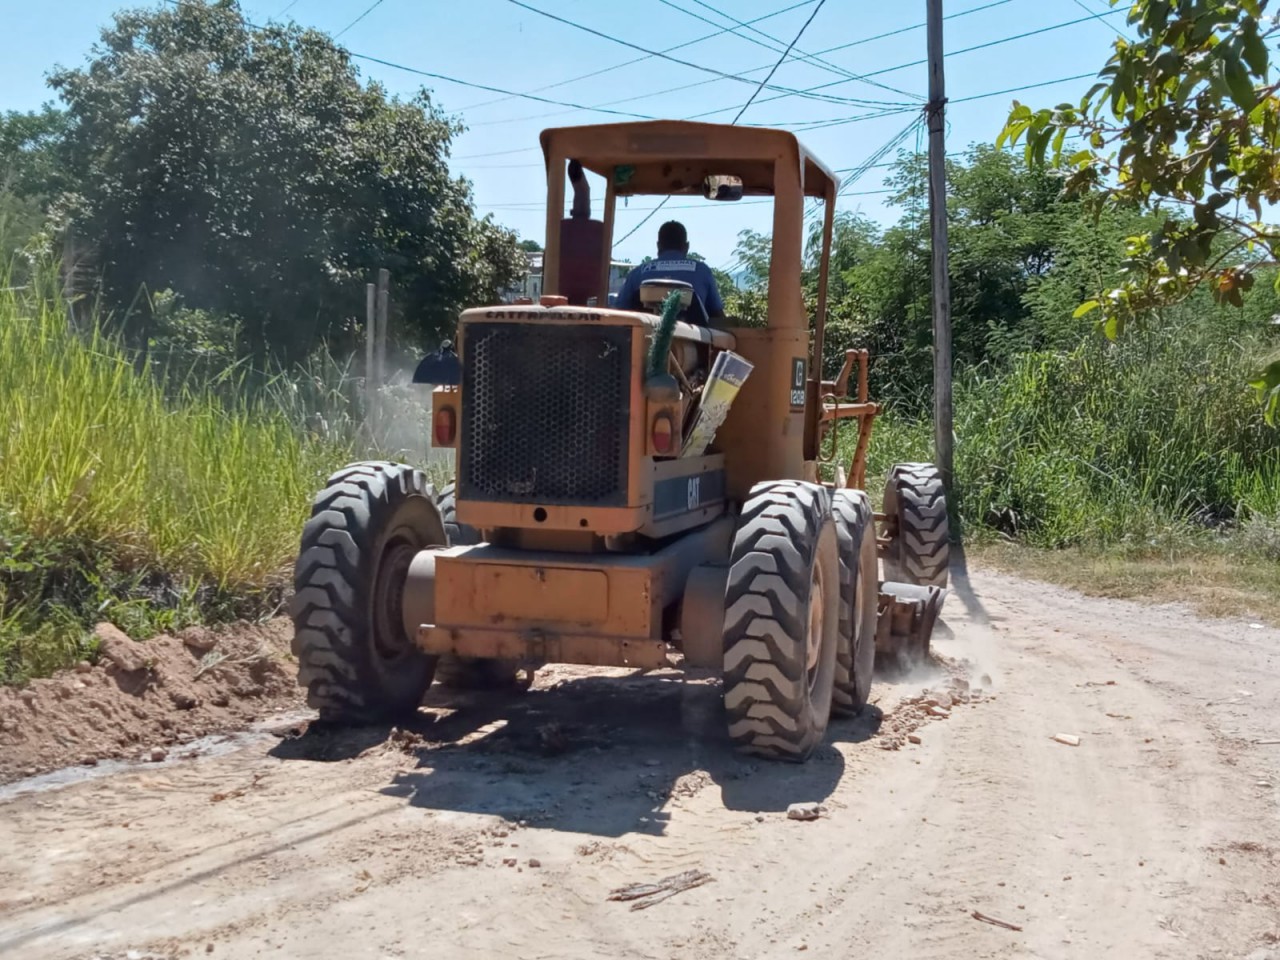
{"x": 370, "y": 356}
{"x": 942, "y": 429}
{"x": 384, "y": 283}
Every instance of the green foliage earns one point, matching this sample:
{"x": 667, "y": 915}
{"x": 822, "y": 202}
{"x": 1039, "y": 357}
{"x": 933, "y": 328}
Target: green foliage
{"x": 1186, "y": 119}
{"x": 126, "y": 497}
{"x": 1128, "y": 442}
{"x": 1062, "y": 436}
{"x": 252, "y": 172}
{"x": 1022, "y": 256}
{"x": 30, "y": 176}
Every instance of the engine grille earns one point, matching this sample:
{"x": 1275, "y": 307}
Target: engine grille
{"x": 546, "y": 413}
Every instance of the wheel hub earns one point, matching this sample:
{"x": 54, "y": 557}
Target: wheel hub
{"x": 813, "y": 639}
{"x": 390, "y": 639}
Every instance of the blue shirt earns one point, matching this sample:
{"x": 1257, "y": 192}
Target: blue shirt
{"x": 672, "y": 265}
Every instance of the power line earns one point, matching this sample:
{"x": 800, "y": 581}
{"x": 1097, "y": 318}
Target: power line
{"x": 448, "y": 79}
{"x": 647, "y": 56}
{"x": 700, "y": 83}
{"x": 842, "y": 121}
{"x": 768, "y": 16}
{"x": 720, "y": 74}
{"x": 484, "y": 86}
{"x": 1025, "y": 86}
{"x": 497, "y": 153}
{"x": 705, "y": 205}
{"x": 914, "y": 26}
{"x": 843, "y": 46}
{"x": 368, "y": 10}
{"x": 952, "y": 53}
{"x": 824, "y": 124}
{"x": 1110, "y": 28}
{"x": 676, "y": 89}
{"x": 763, "y": 83}
{"x": 785, "y": 53}
{"x": 773, "y": 45}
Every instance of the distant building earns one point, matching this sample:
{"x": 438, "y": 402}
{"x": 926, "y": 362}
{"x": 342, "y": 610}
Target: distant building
{"x": 531, "y": 285}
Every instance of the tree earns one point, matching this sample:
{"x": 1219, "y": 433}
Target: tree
{"x": 249, "y": 170}
{"x": 30, "y": 174}
{"x": 1187, "y": 120}
{"x": 530, "y": 246}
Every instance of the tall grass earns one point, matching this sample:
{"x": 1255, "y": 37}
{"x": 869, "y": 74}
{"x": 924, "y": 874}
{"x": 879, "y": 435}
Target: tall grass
{"x": 131, "y": 497}
{"x": 1133, "y": 442}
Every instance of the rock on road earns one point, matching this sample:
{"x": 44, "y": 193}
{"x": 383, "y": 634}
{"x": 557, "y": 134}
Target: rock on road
{"x": 499, "y": 829}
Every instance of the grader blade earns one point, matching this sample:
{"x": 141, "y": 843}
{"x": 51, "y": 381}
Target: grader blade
{"x": 908, "y": 613}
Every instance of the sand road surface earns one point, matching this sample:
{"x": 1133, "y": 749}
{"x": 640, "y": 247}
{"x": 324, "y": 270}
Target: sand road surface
{"x": 499, "y": 828}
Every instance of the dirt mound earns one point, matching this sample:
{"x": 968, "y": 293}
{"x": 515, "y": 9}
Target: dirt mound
{"x": 141, "y": 699}
{"x": 936, "y": 702}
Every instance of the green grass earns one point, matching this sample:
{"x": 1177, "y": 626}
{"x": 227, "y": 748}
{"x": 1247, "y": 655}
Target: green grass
{"x": 1149, "y": 441}
{"x": 123, "y": 496}
{"x": 155, "y": 499}
{"x": 1141, "y": 470}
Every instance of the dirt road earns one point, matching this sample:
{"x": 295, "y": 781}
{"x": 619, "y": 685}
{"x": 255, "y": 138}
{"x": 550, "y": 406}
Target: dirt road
{"x": 498, "y": 830}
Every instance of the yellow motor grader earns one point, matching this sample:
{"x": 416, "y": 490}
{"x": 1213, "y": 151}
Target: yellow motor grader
{"x": 638, "y": 488}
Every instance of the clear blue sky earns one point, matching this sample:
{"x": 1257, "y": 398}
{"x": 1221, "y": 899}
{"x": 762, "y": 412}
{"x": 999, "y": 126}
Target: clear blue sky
{"x": 497, "y": 43}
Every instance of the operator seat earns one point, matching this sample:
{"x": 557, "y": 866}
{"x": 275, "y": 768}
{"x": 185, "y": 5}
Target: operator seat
{"x": 653, "y": 293}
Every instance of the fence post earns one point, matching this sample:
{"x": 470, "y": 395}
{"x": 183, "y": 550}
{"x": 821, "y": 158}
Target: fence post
{"x": 384, "y": 281}
{"x": 370, "y": 355}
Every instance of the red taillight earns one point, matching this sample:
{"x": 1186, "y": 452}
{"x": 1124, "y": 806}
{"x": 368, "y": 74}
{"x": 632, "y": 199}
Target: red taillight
{"x": 661, "y": 434}
{"x": 445, "y": 427}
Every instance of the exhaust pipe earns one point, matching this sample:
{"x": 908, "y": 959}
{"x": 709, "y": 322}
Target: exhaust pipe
{"x": 581, "y": 209}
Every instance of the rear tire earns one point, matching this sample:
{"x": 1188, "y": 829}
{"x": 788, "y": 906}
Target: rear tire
{"x": 781, "y": 612}
{"x": 859, "y": 594}
{"x": 920, "y": 547}
{"x": 355, "y": 658}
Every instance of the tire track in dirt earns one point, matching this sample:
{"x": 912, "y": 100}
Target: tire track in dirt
{"x": 375, "y": 844}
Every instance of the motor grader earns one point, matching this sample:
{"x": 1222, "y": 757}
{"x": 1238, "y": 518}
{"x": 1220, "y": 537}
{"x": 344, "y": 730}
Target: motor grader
{"x": 607, "y": 509}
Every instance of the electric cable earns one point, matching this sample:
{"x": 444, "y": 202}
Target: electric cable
{"x": 763, "y": 83}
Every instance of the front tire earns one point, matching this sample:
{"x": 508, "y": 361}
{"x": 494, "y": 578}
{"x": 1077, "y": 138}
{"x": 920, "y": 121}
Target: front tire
{"x": 355, "y": 658}
{"x": 781, "y": 612}
{"x": 859, "y": 596}
{"x": 920, "y": 544}
{"x": 459, "y": 534}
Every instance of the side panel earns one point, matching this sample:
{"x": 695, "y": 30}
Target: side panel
{"x": 686, "y": 493}
{"x": 601, "y": 609}
{"x": 763, "y": 435}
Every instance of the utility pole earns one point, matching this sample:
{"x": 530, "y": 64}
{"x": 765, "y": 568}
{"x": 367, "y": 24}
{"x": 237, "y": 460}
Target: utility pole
{"x": 370, "y": 358}
{"x": 380, "y": 359}
{"x": 936, "y": 112}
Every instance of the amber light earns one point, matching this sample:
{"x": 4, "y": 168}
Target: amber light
{"x": 445, "y": 426}
{"x": 661, "y": 436}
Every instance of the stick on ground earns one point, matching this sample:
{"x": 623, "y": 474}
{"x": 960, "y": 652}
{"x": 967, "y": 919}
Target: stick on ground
{"x": 994, "y": 922}
{"x": 647, "y": 894}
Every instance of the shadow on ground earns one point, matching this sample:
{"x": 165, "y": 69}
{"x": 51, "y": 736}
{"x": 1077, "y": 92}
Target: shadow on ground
{"x": 595, "y": 754}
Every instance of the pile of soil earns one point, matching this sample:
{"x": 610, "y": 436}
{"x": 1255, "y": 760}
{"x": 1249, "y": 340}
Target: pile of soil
{"x": 141, "y": 699}
{"x": 899, "y": 727}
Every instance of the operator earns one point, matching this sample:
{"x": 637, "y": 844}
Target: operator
{"x": 673, "y": 263}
